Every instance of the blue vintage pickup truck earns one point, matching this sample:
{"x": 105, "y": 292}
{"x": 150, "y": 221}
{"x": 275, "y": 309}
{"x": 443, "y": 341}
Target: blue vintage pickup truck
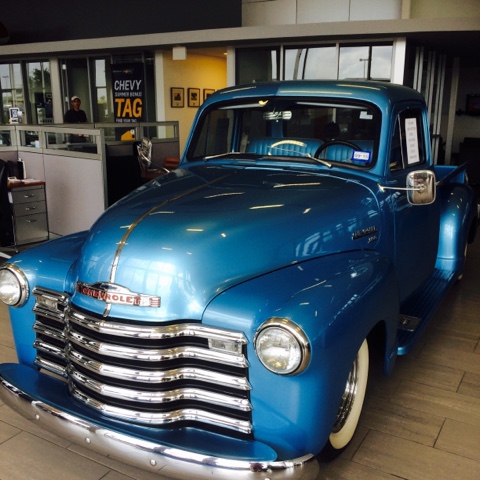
{"x": 218, "y": 321}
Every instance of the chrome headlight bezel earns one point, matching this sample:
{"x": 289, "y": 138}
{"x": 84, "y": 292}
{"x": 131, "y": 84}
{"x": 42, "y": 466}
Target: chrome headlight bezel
{"x": 294, "y": 346}
{"x": 12, "y": 276}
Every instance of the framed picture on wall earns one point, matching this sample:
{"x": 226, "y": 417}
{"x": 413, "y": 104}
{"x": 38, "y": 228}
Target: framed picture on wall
{"x": 193, "y": 97}
{"x": 207, "y": 92}
{"x": 177, "y": 97}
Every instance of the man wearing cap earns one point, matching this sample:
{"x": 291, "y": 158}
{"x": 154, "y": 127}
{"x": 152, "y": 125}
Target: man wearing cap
{"x": 75, "y": 115}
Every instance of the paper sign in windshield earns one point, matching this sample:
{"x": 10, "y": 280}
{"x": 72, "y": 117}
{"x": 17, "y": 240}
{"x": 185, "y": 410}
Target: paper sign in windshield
{"x": 360, "y": 156}
{"x": 411, "y": 135}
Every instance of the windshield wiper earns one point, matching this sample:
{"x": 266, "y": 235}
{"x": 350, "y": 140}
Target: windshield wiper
{"x": 257, "y": 155}
{"x": 222, "y": 155}
{"x": 319, "y": 160}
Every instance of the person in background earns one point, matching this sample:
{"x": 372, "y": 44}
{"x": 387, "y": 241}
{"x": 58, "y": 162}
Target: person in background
{"x": 75, "y": 115}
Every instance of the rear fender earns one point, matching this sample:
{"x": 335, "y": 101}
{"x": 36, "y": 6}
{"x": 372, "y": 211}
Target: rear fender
{"x": 457, "y": 225}
{"x": 336, "y": 300}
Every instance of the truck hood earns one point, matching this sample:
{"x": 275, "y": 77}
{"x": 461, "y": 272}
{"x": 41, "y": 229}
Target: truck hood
{"x": 177, "y": 242}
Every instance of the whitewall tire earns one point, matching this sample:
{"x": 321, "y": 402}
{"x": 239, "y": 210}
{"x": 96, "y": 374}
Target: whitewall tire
{"x": 352, "y": 401}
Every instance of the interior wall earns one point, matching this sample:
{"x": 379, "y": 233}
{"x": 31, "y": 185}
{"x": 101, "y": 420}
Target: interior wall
{"x": 197, "y": 71}
{"x": 286, "y": 12}
{"x": 52, "y": 21}
{"x": 70, "y": 208}
{"x": 444, "y": 8}
{"x": 465, "y": 125}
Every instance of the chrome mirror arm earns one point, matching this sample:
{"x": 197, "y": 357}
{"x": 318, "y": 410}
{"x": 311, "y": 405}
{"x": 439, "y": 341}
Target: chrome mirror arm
{"x": 420, "y": 188}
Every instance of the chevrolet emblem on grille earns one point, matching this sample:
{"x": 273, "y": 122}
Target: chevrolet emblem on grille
{"x": 111, "y": 293}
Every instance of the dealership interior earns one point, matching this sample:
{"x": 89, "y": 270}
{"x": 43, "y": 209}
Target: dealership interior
{"x": 422, "y": 422}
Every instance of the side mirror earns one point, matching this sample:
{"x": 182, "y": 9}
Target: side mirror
{"x": 421, "y": 187}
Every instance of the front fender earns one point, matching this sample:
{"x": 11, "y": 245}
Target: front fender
{"x": 48, "y": 265}
{"x": 337, "y": 300}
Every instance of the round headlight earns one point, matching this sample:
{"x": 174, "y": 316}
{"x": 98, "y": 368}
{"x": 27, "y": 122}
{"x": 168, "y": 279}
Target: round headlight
{"x": 13, "y": 286}
{"x": 282, "y": 347}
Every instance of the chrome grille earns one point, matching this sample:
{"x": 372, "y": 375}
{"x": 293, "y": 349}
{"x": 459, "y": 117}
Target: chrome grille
{"x": 148, "y": 374}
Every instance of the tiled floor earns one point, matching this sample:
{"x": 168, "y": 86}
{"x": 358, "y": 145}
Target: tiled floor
{"x": 422, "y": 423}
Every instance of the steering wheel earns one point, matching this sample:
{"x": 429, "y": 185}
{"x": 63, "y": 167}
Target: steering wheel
{"x": 345, "y": 143}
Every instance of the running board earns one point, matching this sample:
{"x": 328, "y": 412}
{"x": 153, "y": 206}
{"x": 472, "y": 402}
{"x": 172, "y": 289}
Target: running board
{"x": 418, "y": 310}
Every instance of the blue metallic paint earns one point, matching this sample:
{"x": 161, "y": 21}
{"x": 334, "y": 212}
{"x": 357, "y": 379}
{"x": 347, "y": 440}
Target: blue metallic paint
{"x": 47, "y": 264}
{"x": 458, "y": 213}
{"x": 232, "y": 243}
{"x": 282, "y": 411}
{"x": 215, "y": 214}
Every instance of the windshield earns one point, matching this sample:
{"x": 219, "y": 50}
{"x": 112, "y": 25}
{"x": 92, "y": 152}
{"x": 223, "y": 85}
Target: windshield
{"x": 329, "y": 130}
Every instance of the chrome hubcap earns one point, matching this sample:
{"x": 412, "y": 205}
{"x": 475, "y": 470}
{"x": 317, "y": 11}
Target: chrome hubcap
{"x": 348, "y": 398}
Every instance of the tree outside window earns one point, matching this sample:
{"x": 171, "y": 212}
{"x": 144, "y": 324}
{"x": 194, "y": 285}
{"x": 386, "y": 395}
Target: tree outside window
{"x": 40, "y": 92}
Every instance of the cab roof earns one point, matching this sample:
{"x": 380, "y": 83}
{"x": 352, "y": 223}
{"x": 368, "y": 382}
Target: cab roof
{"x": 381, "y": 94}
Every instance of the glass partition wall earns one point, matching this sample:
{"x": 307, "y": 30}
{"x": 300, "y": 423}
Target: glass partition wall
{"x": 26, "y": 88}
{"x": 87, "y": 139}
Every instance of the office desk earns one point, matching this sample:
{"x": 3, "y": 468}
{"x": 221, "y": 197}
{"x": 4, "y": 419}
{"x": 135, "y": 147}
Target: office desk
{"x": 29, "y": 211}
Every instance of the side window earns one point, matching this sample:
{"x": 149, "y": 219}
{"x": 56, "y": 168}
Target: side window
{"x": 215, "y": 134}
{"x": 408, "y": 143}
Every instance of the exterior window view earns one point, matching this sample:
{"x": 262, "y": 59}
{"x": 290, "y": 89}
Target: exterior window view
{"x": 252, "y": 258}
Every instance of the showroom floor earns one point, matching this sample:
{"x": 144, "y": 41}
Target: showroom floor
{"x": 422, "y": 423}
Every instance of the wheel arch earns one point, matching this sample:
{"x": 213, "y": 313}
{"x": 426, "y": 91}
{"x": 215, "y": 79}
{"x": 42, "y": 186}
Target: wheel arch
{"x": 458, "y": 225}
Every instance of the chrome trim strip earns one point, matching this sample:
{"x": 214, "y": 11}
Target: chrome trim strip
{"x": 164, "y": 397}
{"x": 50, "y": 366}
{"x": 121, "y": 244}
{"x": 155, "y": 354}
{"x": 162, "y": 418}
{"x": 150, "y": 456}
{"x": 156, "y": 376}
{"x": 52, "y": 315}
{"x": 56, "y": 334}
{"x": 155, "y": 332}
{"x": 49, "y": 348}
{"x": 58, "y": 297}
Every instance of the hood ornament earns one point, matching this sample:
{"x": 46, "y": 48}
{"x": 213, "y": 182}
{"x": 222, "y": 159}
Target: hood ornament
{"x": 111, "y": 293}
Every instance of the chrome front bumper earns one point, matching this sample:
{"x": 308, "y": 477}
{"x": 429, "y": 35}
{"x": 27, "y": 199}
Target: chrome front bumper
{"x": 164, "y": 460}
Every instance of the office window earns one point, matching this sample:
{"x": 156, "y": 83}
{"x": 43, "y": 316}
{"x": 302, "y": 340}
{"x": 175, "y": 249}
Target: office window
{"x": 381, "y": 63}
{"x": 310, "y": 63}
{"x": 257, "y": 65}
{"x": 354, "y": 62}
{"x": 102, "y": 92}
{"x": 320, "y": 62}
{"x": 372, "y": 62}
{"x": 11, "y": 86}
{"x": 39, "y": 92}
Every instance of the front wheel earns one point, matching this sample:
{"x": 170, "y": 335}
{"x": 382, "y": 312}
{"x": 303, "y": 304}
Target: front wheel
{"x": 351, "y": 404}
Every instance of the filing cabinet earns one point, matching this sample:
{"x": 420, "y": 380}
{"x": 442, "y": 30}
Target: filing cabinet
{"x": 29, "y": 213}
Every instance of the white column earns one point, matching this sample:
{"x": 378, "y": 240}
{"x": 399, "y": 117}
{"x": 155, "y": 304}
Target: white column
{"x": 398, "y": 60}
{"x": 159, "y": 87}
{"x": 451, "y": 110}
{"x": 56, "y": 84}
{"x": 230, "y": 66}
